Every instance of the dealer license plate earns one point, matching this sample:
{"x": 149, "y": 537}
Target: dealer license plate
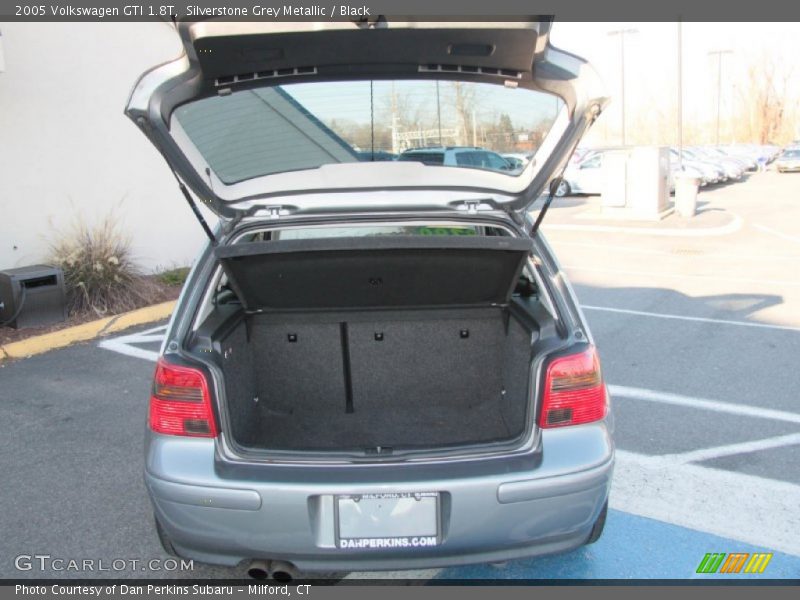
{"x": 387, "y": 521}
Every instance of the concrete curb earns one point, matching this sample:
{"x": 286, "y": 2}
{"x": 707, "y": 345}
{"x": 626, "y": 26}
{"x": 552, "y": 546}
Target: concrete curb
{"x": 85, "y": 331}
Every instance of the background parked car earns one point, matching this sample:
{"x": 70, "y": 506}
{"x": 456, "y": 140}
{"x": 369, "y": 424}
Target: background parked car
{"x": 458, "y": 156}
{"x": 584, "y": 177}
{"x": 739, "y": 154}
{"x": 709, "y": 173}
{"x": 517, "y": 160}
{"x": 708, "y": 164}
{"x": 686, "y": 171}
{"x": 789, "y": 160}
{"x": 375, "y": 156}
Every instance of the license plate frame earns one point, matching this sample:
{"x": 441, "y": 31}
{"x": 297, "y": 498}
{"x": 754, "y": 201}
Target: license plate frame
{"x": 386, "y": 536}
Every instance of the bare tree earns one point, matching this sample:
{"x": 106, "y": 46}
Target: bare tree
{"x": 765, "y": 109}
{"x": 464, "y": 101}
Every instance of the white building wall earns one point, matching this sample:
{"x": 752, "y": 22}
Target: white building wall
{"x": 67, "y": 151}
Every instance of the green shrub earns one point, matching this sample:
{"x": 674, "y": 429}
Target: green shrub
{"x": 99, "y": 271}
{"x": 173, "y": 277}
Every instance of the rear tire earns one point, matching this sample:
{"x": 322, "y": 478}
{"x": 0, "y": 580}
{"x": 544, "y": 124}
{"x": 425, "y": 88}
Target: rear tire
{"x": 563, "y": 189}
{"x": 599, "y": 525}
{"x": 166, "y": 543}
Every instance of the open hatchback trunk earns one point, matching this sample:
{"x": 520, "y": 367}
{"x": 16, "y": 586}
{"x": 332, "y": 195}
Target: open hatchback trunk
{"x": 381, "y": 344}
{"x": 374, "y": 345}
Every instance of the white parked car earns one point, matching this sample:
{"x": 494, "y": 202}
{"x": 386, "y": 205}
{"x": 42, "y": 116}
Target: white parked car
{"x": 458, "y": 156}
{"x": 585, "y": 177}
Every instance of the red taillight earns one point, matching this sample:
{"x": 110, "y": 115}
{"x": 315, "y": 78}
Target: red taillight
{"x": 180, "y": 403}
{"x": 574, "y": 392}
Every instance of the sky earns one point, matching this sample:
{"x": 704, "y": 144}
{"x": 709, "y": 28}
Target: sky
{"x": 651, "y": 58}
{"x": 526, "y": 108}
{"x": 651, "y": 77}
{"x": 651, "y": 71}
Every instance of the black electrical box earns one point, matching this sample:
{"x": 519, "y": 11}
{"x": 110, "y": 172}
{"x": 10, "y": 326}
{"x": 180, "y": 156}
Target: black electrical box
{"x": 37, "y": 292}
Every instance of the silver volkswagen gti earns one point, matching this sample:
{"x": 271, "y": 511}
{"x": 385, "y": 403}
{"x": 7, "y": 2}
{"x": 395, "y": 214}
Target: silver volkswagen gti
{"x": 375, "y": 363}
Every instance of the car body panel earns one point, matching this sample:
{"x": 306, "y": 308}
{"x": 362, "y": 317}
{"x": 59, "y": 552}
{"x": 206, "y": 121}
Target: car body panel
{"x": 507, "y": 510}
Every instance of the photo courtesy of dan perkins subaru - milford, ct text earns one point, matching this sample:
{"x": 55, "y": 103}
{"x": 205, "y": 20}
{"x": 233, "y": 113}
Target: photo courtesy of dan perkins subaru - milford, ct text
{"x": 158, "y": 590}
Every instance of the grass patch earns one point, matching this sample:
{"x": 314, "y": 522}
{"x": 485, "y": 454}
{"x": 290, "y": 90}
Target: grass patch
{"x": 173, "y": 277}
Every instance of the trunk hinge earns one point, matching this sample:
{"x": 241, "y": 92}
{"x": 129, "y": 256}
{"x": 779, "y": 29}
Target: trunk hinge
{"x": 472, "y": 206}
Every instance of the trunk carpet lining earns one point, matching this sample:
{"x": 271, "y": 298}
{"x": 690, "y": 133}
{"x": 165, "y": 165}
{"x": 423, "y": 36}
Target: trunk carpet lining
{"x": 433, "y": 381}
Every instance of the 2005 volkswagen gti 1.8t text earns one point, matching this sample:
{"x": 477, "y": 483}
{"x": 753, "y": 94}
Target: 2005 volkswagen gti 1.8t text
{"x": 375, "y": 363}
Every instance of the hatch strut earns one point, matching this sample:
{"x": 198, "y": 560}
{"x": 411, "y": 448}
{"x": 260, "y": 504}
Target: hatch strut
{"x": 554, "y": 183}
{"x": 145, "y": 125}
{"x": 195, "y": 210}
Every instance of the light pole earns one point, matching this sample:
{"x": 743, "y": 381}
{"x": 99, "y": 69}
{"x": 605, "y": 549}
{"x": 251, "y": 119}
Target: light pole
{"x": 680, "y": 95}
{"x": 719, "y": 54}
{"x": 621, "y": 33}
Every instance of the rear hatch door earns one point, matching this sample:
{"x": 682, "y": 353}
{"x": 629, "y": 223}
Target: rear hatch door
{"x": 294, "y": 117}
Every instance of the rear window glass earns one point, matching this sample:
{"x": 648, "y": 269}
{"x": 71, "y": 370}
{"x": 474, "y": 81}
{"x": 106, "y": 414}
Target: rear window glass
{"x": 429, "y": 158}
{"x": 478, "y": 158}
{"x": 263, "y": 131}
{"x": 434, "y": 229}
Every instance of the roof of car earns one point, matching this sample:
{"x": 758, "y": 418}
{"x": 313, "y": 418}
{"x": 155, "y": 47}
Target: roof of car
{"x": 442, "y": 149}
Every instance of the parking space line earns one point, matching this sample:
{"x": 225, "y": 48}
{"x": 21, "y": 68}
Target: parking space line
{"x": 751, "y": 509}
{"x": 124, "y": 344}
{"x": 704, "y": 277}
{"x": 644, "y": 313}
{"x": 780, "y": 441}
{"x": 780, "y": 234}
{"x": 649, "y": 251}
{"x": 743, "y": 410}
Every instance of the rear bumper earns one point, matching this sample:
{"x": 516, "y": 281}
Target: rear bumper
{"x": 487, "y": 518}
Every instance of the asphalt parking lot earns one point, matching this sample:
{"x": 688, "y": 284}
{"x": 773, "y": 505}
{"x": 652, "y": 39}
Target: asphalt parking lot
{"x": 699, "y": 333}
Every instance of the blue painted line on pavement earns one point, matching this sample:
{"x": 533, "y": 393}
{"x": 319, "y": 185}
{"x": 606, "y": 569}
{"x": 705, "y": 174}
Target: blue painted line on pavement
{"x": 633, "y": 547}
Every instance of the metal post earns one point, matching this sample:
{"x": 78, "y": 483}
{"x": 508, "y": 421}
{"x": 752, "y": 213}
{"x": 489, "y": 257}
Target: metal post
{"x": 680, "y": 95}
{"x": 719, "y": 54}
{"x": 474, "y": 130}
{"x": 621, "y": 33}
{"x": 439, "y": 111}
{"x": 719, "y": 92}
{"x": 622, "y": 78}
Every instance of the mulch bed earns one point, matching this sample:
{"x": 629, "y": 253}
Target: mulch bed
{"x": 163, "y": 293}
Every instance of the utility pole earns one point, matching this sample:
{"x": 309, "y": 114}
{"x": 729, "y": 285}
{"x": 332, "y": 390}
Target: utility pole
{"x": 621, "y": 33}
{"x": 719, "y": 54}
{"x": 439, "y": 111}
{"x": 474, "y": 130}
{"x": 395, "y": 132}
{"x": 680, "y": 95}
